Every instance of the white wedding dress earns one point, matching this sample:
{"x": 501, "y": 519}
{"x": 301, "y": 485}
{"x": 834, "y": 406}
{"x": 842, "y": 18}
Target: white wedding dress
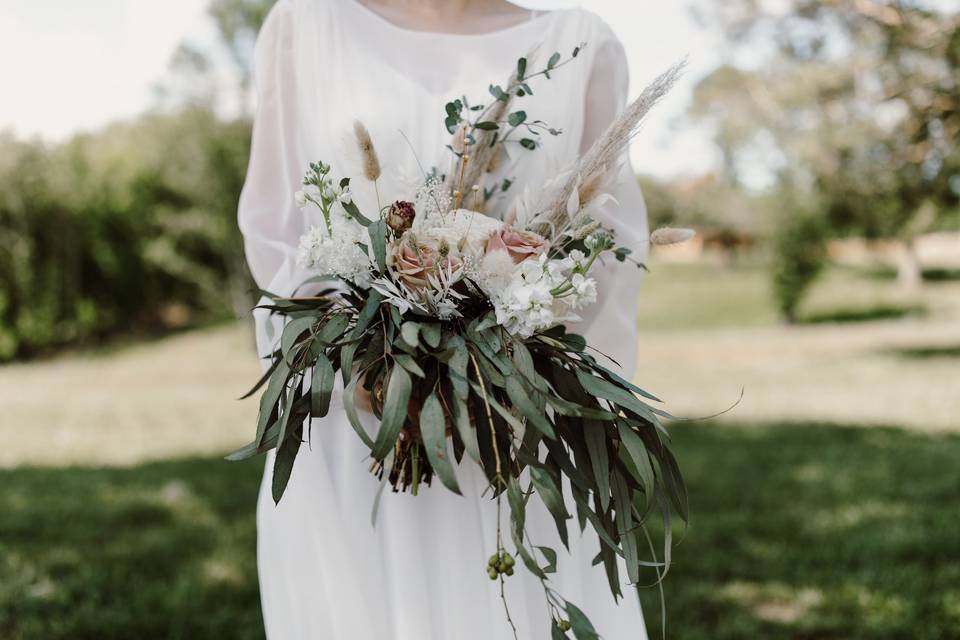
{"x": 326, "y": 573}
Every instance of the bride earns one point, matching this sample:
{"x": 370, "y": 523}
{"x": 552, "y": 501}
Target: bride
{"x": 326, "y": 571}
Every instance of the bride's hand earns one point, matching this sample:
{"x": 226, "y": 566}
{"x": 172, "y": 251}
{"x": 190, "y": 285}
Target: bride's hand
{"x": 361, "y": 400}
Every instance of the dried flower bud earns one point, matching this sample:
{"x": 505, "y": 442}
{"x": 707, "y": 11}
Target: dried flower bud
{"x": 668, "y": 236}
{"x": 400, "y": 216}
{"x": 460, "y": 139}
{"x": 371, "y": 163}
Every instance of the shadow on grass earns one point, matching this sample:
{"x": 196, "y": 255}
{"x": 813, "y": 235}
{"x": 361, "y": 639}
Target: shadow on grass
{"x": 869, "y": 314}
{"x": 815, "y": 531}
{"x": 163, "y": 550}
{"x": 934, "y": 274}
{"x": 927, "y": 353}
{"x": 797, "y": 531}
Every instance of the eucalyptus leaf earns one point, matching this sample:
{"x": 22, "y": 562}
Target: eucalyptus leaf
{"x": 639, "y": 456}
{"x": 517, "y": 118}
{"x": 582, "y": 628}
{"x": 433, "y": 428}
{"x": 394, "y": 412}
{"x": 292, "y": 332}
{"x": 283, "y": 466}
{"x": 596, "y": 440}
{"x": 549, "y": 492}
{"x": 270, "y": 397}
{"x": 431, "y": 333}
{"x": 551, "y": 557}
{"x": 321, "y": 387}
{"x": 353, "y": 417}
{"x": 378, "y": 243}
{"x": 520, "y": 399}
{"x": 461, "y": 420}
{"x": 407, "y": 362}
{"x": 410, "y": 332}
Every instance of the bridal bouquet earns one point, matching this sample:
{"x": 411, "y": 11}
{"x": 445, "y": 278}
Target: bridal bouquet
{"x": 455, "y": 323}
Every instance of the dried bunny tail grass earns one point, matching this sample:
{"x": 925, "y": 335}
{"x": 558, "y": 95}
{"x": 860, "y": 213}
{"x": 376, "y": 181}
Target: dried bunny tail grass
{"x": 371, "y": 163}
{"x": 667, "y": 236}
{"x": 598, "y": 163}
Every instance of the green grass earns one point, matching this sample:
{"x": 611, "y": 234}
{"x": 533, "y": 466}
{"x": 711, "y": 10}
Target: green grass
{"x": 798, "y": 531}
{"x": 678, "y": 297}
{"x": 163, "y": 550}
{"x": 706, "y": 295}
{"x": 118, "y": 519}
{"x": 816, "y": 531}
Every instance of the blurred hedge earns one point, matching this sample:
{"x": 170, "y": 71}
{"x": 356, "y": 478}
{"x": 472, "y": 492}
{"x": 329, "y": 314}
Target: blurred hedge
{"x": 131, "y": 229}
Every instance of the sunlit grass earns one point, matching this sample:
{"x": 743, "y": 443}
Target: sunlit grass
{"x": 711, "y": 295}
{"x": 798, "y": 531}
{"x": 816, "y": 531}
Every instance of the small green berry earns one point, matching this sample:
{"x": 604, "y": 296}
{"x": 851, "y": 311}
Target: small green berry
{"x": 508, "y": 560}
{"x": 494, "y": 559}
{"x": 509, "y": 571}
{"x": 563, "y": 625}
{"x": 492, "y": 573}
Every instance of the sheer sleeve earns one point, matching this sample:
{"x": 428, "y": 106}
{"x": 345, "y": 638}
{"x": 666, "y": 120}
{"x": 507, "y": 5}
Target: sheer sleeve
{"x": 268, "y": 216}
{"x": 606, "y": 98}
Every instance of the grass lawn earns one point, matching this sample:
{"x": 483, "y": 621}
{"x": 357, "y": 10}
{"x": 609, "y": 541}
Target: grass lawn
{"x": 807, "y": 531}
{"x": 799, "y": 531}
{"x": 811, "y": 517}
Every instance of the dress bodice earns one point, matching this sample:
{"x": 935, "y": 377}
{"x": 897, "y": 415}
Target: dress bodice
{"x": 321, "y": 64}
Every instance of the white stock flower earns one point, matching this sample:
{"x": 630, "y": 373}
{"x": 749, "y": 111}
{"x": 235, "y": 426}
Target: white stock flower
{"x": 307, "y": 195}
{"x": 585, "y": 291}
{"x": 338, "y": 252}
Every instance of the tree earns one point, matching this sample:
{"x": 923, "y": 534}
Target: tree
{"x": 855, "y": 100}
{"x": 238, "y": 23}
{"x": 196, "y": 74}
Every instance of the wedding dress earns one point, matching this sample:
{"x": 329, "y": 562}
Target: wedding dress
{"x": 326, "y": 572}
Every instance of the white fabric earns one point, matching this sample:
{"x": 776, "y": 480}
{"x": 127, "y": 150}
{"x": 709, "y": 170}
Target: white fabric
{"x": 325, "y": 571}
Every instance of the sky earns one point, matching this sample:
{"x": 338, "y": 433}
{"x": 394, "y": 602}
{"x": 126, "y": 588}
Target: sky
{"x": 69, "y": 66}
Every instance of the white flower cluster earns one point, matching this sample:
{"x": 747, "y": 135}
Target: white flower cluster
{"x": 337, "y": 250}
{"x": 432, "y": 199}
{"x": 542, "y": 293}
{"x": 322, "y": 192}
{"x": 429, "y": 259}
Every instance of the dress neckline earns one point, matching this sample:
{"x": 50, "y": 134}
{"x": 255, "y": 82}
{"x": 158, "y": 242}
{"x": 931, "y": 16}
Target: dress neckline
{"x": 366, "y": 12}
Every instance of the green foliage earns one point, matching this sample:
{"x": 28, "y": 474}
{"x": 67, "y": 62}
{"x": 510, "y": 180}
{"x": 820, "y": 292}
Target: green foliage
{"x": 132, "y": 228}
{"x": 799, "y": 256}
{"x": 518, "y": 407}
